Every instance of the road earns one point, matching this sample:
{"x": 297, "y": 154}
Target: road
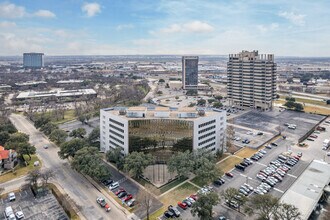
{"x": 81, "y": 191}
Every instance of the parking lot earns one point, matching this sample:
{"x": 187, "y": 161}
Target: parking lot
{"x": 45, "y": 207}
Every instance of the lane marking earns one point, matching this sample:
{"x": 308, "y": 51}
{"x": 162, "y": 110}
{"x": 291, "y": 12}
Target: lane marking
{"x": 291, "y": 175}
{"x": 261, "y": 164}
{"x": 278, "y": 190}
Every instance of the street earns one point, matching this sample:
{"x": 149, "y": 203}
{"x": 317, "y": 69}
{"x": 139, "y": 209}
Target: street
{"x": 75, "y": 185}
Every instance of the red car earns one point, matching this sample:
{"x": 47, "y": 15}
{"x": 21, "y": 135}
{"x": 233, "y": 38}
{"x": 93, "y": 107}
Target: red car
{"x": 119, "y": 191}
{"x": 107, "y": 208}
{"x": 128, "y": 197}
{"x": 313, "y": 136}
{"x": 182, "y": 205}
{"x": 296, "y": 157}
{"x": 193, "y": 196}
{"x": 229, "y": 174}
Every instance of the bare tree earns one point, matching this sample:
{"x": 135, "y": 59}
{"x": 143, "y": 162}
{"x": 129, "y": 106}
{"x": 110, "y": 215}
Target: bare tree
{"x": 33, "y": 177}
{"x": 145, "y": 199}
{"x": 46, "y": 175}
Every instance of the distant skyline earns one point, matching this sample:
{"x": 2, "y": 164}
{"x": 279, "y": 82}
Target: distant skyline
{"x": 129, "y": 27}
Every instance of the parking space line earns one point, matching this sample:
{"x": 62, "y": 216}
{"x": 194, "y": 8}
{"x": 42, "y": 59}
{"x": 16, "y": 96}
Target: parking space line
{"x": 261, "y": 164}
{"x": 278, "y": 190}
{"x": 292, "y": 175}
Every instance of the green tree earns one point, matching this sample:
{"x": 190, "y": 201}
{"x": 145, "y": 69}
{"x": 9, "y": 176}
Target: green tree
{"x": 48, "y": 128}
{"x": 206, "y": 169}
{"x": 70, "y": 148}
{"x": 298, "y": 107}
{"x": 201, "y": 102}
{"x": 7, "y": 126}
{"x": 136, "y": 162}
{"x": 289, "y": 104}
{"x": 291, "y": 99}
{"x": 41, "y": 120}
{"x": 217, "y": 105}
{"x": 218, "y": 97}
{"x": 78, "y": 133}
{"x": 94, "y": 136}
{"x": 4, "y": 137}
{"x": 210, "y": 100}
{"x": 182, "y": 163}
{"x": 231, "y": 194}
{"x": 18, "y": 137}
{"x": 115, "y": 156}
{"x": 88, "y": 161}
{"x": 25, "y": 148}
{"x": 204, "y": 205}
{"x": 192, "y": 92}
{"x": 264, "y": 206}
{"x": 183, "y": 144}
{"x": 58, "y": 136}
{"x": 82, "y": 118}
{"x": 287, "y": 211}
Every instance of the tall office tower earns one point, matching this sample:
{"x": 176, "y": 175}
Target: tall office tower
{"x": 251, "y": 80}
{"x": 189, "y": 72}
{"x": 33, "y": 60}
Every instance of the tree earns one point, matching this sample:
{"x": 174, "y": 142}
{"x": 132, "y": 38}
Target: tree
{"x": 88, "y": 161}
{"x": 115, "y": 156}
{"x": 182, "y": 163}
{"x": 177, "y": 97}
{"x": 218, "y": 97}
{"x": 211, "y": 100}
{"x": 289, "y": 104}
{"x": 298, "y": 107}
{"x": 4, "y": 137}
{"x": 291, "y": 99}
{"x": 25, "y": 148}
{"x": 94, "y": 136}
{"x": 201, "y": 102}
{"x": 287, "y": 211}
{"x": 264, "y": 206}
{"x": 217, "y": 105}
{"x": 58, "y": 136}
{"x": 82, "y": 118}
{"x": 18, "y": 137}
{"x": 192, "y": 92}
{"x": 48, "y": 128}
{"x": 41, "y": 120}
{"x": 145, "y": 200}
{"x": 230, "y": 135}
{"x": 78, "y": 133}
{"x": 70, "y": 148}
{"x": 6, "y": 125}
{"x": 46, "y": 175}
{"x": 229, "y": 194}
{"x": 161, "y": 80}
{"x": 183, "y": 144}
{"x": 205, "y": 168}
{"x": 204, "y": 205}
{"x": 33, "y": 177}
{"x": 136, "y": 162}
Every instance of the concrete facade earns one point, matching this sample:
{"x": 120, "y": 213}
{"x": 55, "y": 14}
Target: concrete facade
{"x": 251, "y": 80}
{"x": 189, "y": 72}
{"x": 33, "y": 60}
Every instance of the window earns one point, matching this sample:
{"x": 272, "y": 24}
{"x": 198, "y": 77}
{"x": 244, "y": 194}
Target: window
{"x": 118, "y": 129}
{"x": 206, "y": 135}
{"x": 116, "y": 122}
{"x": 205, "y": 141}
{"x": 119, "y": 135}
{"x": 116, "y": 139}
{"x": 206, "y": 123}
{"x": 206, "y": 129}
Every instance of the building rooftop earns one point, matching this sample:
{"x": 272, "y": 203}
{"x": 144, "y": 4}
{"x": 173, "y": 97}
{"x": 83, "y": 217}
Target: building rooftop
{"x": 308, "y": 188}
{"x": 56, "y": 93}
{"x": 134, "y": 113}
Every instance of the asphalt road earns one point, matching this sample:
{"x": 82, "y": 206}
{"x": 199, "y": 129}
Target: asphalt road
{"x": 75, "y": 185}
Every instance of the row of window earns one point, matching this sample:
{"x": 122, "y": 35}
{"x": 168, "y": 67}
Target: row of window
{"x": 206, "y": 129}
{"x": 116, "y": 122}
{"x": 206, "y": 123}
{"x": 207, "y": 140}
{"x": 119, "y": 135}
{"x": 118, "y": 129}
{"x": 206, "y": 135}
{"x": 209, "y": 145}
{"x": 114, "y": 144}
{"x": 116, "y": 139}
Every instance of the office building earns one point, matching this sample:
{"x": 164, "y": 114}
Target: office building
{"x": 251, "y": 80}
{"x": 33, "y": 60}
{"x": 162, "y": 131}
{"x": 190, "y": 72}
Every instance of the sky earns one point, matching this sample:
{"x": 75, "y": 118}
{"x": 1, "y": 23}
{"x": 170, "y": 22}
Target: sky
{"x": 199, "y": 27}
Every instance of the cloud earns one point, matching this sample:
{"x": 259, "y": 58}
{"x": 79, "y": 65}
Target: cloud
{"x": 192, "y": 27}
{"x": 264, "y": 28}
{"x": 124, "y": 26}
{"x": 91, "y": 9}
{"x": 9, "y": 10}
{"x": 7, "y": 24}
{"x": 44, "y": 14}
{"x": 297, "y": 19}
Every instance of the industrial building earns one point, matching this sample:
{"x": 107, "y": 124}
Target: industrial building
{"x": 57, "y": 94}
{"x": 251, "y": 80}
{"x": 161, "y": 129}
{"x": 190, "y": 72}
{"x": 33, "y": 60}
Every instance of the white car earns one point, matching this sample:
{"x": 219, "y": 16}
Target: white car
{"x": 114, "y": 186}
{"x": 19, "y": 215}
{"x": 328, "y": 153}
{"x": 11, "y": 197}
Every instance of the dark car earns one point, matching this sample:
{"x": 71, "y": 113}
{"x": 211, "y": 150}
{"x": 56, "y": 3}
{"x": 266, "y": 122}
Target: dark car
{"x": 274, "y": 144}
{"x": 217, "y": 182}
{"x": 244, "y": 164}
{"x": 240, "y": 167}
{"x": 168, "y": 214}
{"x": 174, "y": 210}
{"x": 107, "y": 182}
{"x": 221, "y": 180}
{"x": 229, "y": 174}
{"x": 122, "y": 194}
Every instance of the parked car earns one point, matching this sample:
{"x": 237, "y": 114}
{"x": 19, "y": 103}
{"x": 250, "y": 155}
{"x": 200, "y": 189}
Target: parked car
{"x": 268, "y": 146}
{"x": 128, "y": 197}
{"x": 107, "y": 182}
{"x": 217, "y": 182}
{"x": 189, "y": 204}
{"x": 19, "y": 215}
{"x": 299, "y": 154}
{"x": 168, "y": 214}
{"x": 229, "y": 174}
{"x": 174, "y": 210}
{"x": 122, "y": 194}
{"x": 240, "y": 167}
{"x": 131, "y": 203}
{"x": 11, "y": 196}
{"x": 182, "y": 205}
{"x": 194, "y": 197}
{"x": 274, "y": 144}
{"x": 114, "y": 185}
{"x": 119, "y": 191}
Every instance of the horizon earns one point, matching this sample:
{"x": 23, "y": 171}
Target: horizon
{"x": 142, "y": 27}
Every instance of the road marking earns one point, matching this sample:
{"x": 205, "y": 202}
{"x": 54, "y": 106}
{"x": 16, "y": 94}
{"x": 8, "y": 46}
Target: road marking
{"x": 243, "y": 175}
{"x": 292, "y": 175}
{"x": 122, "y": 180}
{"x": 261, "y": 164}
{"x": 278, "y": 190}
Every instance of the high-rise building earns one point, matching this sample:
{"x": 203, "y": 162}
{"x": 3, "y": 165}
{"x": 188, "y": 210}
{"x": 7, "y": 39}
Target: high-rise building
{"x": 189, "y": 72}
{"x": 251, "y": 80}
{"x": 33, "y": 60}
{"x": 162, "y": 130}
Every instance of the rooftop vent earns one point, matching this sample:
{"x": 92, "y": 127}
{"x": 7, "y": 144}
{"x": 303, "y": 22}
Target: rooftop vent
{"x": 122, "y": 112}
{"x": 201, "y": 112}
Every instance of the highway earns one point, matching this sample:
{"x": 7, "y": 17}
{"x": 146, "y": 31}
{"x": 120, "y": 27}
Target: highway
{"x": 80, "y": 190}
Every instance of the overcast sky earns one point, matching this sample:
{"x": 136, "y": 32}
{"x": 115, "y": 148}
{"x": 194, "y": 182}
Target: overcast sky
{"x": 113, "y": 27}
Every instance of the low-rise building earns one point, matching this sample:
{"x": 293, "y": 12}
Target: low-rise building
{"x": 8, "y": 159}
{"x": 57, "y": 94}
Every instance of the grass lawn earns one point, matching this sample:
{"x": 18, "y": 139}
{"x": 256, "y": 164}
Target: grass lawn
{"x": 178, "y": 194}
{"x": 21, "y": 170}
{"x": 317, "y": 110}
{"x": 309, "y": 101}
{"x": 69, "y": 115}
{"x": 246, "y": 152}
{"x": 223, "y": 156}
{"x": 229, "y": 163}
{"x": 172, "y": 184}
{"x": 198, "y": 181}
{"x": 159, "y": 212}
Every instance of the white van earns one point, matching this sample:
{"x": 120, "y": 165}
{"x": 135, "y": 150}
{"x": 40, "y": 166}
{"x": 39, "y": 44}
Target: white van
{"x": 9, "y": 213}
{"x": 11, "y": 197}
{"x": 114, "y": 185}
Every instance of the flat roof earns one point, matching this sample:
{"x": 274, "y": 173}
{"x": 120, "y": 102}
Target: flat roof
{"x": 308, "y": 188}
{"x": 56, "y": 93}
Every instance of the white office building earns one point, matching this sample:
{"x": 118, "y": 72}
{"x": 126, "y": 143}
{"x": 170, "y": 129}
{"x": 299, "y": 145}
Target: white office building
{"x": 33, "y": 60}
{"x": 162, "y": 130}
